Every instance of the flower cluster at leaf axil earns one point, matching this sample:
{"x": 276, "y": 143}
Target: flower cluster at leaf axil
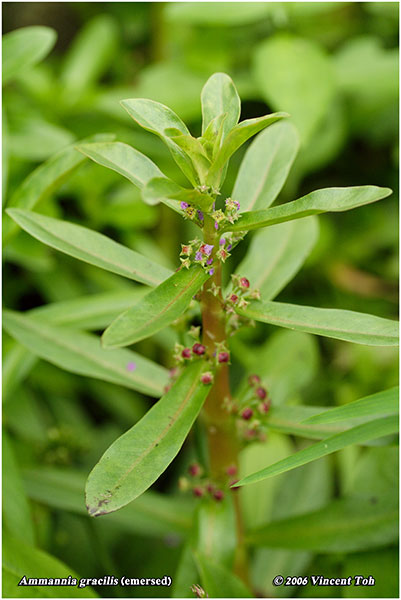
{"x": 198, "y": 253}
{"x": 250, "y": 409}
{"x": 202, "y": 486}
{"x": 222, "y": 218}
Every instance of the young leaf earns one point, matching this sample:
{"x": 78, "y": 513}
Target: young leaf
{"x": 218, "y": 581}
{"x": 382, "y": 403}
{"x": 219, "y": 96}
{"x": 194, "y": 149}
{"x": 152, "y": 514}
{"x": 356, "y": 435}
{"x": 239, "y": 135}
{"x": 82, "y": 353}
{"x": 156, "y": 310}
{"x": 347, "y": 325}
{"x": 277, "y": 253}
{"x": 157, "y": 118}
{"x": 23, "y": 48}
{"x": 141, "y": 455}
{"x": 346, "y": 525}
{"x": 326, "y": 200}
{"x": 90, "y": 246}
{"x": 23, "y": 560}
{"x": 43, "y": 181}
{"x": 265, "y": 166}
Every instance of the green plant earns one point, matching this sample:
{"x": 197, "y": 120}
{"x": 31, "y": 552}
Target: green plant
{"x": 198, "y": 386}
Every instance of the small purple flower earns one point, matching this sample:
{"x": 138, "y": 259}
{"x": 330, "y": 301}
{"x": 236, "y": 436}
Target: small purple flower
{"x": 184, "y": 205}
{"x": 214, "y": 206}
{"x": 211, "y": 271}
{"x": 200, "y": 215}
{"x": 208, "y": 249}
{"x": 198, "y": 256}
{"x": 237, "y": 204}
{"x": 131, "y": 366}
{"x": 216, "y": 226}
{"x": 229, "y": 247}
{"x": 222, "y": 241}
{"x": 209, "y": 261}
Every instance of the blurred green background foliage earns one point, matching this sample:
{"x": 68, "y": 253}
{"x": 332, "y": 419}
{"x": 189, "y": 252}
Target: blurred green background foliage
{"x": 334, "y": 67}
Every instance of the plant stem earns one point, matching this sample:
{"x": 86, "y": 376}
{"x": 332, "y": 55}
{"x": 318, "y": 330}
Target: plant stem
{"x": 222, "y": 439}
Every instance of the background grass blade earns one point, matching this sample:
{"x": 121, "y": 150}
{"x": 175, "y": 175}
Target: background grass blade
{"x": 90, "y": 246}
{"x": 356, "y": 435}
{"x": 346, "y": 525}
{"x": 345, "y": 325}
{"x": 156, "y": 310}
{"x": 382, "y": 403}
{"x": 320, "y": 201}
{"x": 82, "y": 353}
{"x": 139, "y": 457}
{"x": 22, "y": 48}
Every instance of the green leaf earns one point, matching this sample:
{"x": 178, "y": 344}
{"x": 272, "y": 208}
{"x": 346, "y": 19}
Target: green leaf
{"x": 16, "y": 511}
{"x": 141, "y": 455}
{"x": 219, "y": 96}
{"x": 265, "y": 166}
{"x": 195, "y": 150}
{"x": 17, "y": 363}
{"x": 152, "y": 514}
{"x": 277, "y": 253}
{"x": 89, "y": 56}
{"x": 221, "y": 14}
{"x": 218, "y": 581}
{"x": 326, "y": 200}
{"x": 215, "y": 521}
{"x": 82, "y": 353}
{"x": 239, "y": 135}
{"x": 346, "y": 525}
{"x": 156, "y": 117}
{"x": 21, "y": 559}
{"x": 90, "y": 246}
{"x": 163, "y": 190}
{"x": 295, "y": 75}
{"x": 156, "y": 310}
{"x": 123, "y": 159}
{"x": 382, "y": 565}
{"x": 356, "y": 435}
{"x": 382, "y": 403}
{"x": 89, "y": 312}
{"x": 186, "y": 574}
{"x": 23, "y": 48}
{"x": 43, "y": 181}
{"x": 347, "y": 325}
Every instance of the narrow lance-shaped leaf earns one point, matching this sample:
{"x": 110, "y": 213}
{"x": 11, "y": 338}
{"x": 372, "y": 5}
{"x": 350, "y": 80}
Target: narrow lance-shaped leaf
{"x": 382, "y": 403}
{"x": 141, "y": 455}
{"x": 356, "y": 435}
{"x": 213, "y": 522}
{"x": 219, "y": 96}
{"x": 156, "y": 310}
{"x": 82, "y": 353}
{"x": 320, "y": 201}
{"x": 43, "y": 181}
{"x": 346, "y": 525}
{"x": 25, "y": 47}
{"x": 347, "y": 325}
{"x": 90, "y": 246}
{"x": 239, "y": 135}
{"x": 265, "y": 166}
{"x": 277, "y": 253}
{"x": 157, "y": 118}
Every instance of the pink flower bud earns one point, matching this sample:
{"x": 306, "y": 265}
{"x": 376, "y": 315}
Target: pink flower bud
{"x": 198, "y": 349}
{"x": 231, "y": 470}
{"x": 198, "y": 492}
{"x": 207, "y": 378}
{"x": 223, "y": 357}
{"x": 186, "y": 353}
{"x": 253, "y": 379}
{"x": 261, "y": 393}
{"x": 233, "y": 298}
{"x": 264, "y": 407}
{"x": 244, "y": 283}
{"x": 247, "y": 413}
{"x": 218, "y": 495}
{"x": 194, "y": 470}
